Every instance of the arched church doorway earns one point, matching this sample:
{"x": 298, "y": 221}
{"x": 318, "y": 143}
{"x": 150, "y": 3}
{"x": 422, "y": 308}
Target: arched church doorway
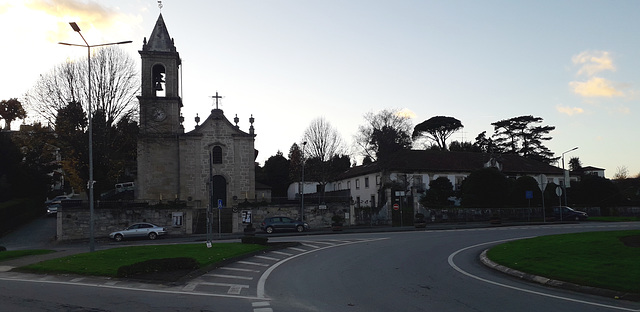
{"x": 226, "y": 212}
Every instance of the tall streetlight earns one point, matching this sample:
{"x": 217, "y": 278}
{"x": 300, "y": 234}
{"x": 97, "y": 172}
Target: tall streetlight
{"x": 565, "y": 177}
{"x": 304, "y": 144}
{"x": 91, "y": 182}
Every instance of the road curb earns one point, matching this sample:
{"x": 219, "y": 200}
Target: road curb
{"x": 556, "y": 283}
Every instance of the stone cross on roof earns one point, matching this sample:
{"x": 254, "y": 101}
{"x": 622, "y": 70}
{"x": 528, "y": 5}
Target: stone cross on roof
{"x": 216, "y": 97}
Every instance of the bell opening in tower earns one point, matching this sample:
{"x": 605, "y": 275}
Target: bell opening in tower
{"x": 159, "y": 81}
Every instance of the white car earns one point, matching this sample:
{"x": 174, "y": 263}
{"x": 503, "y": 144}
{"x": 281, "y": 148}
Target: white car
{"x": 149, "y": 230}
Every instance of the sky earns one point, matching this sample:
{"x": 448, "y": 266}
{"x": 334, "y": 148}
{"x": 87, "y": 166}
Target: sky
{"x": 576, "y": 64}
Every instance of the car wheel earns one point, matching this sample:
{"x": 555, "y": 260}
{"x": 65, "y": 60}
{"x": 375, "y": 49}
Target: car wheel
{"x": 300, "y": 228}
{"x": 269, "y": 230}
{"x": 153, "y": 235}
{"x": 118, "y": 237}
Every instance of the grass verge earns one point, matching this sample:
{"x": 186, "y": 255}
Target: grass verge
{"x": 597, "y": 259}
{"x": 107, "y": 262}
{"x": 6, "y": 255}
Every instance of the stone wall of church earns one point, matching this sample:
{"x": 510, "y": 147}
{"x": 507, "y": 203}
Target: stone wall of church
{"x": 237, "y": 165}
{"x": 157, "y": 168}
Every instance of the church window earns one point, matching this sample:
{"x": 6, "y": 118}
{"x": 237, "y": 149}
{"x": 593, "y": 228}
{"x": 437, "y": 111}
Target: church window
{"x": 217, "y": 155}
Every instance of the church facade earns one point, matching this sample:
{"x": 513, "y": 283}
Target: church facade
{"x": 211, "y": 166}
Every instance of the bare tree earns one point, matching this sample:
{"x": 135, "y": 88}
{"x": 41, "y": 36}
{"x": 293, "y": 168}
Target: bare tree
{"x": 621, "y": 173}
{"x": 383, "y": 133}
{"x": 323, "y": 140}
{"x": 114, "y": 86}
{"x": 324, "y": 144}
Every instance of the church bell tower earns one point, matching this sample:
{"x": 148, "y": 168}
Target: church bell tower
{"x": 160, "y": 118}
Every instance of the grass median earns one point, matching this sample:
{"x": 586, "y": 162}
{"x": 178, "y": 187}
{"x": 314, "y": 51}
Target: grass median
{"x": 106, "y": 262}
{"x": 609, "y": 260}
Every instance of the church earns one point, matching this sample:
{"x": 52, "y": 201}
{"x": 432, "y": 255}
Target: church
{"x": 211, "y": 166}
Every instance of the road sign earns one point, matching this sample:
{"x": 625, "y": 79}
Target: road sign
{"x": 219, "y": 203}
{"x": 529, "y": 194}
{"x": 558, "y": 190}
{"x": 396, "y": 206}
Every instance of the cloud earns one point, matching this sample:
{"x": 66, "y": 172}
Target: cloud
{"x": 89, "y": 15}
{"x": 569, "y": 110}
{"x": 593, "y": 62}
{"x": 595, "y": 87}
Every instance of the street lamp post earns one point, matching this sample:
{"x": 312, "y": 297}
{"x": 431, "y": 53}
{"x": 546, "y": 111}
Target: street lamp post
{"x": 75, "y": 28}
{"x": 565, "y": 178}
{"x": 304, "y": 144}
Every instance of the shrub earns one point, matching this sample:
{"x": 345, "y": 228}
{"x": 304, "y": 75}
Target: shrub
{"x": 2, "y": 248}
{"x": 158, "y": 265}
{"x": 254, "y": 240}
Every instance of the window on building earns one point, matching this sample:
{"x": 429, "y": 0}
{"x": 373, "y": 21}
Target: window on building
{"x": 217, "y": 155}
{"x": 357, "y": 201}
{"x": 366, "y": 182}
{"x": 373, "y": 201}
{"x": 377, "y": 180}
{"x": 177, "y": 218}
{"x": 357, "y": 184}
{"x": 348, "y": 185}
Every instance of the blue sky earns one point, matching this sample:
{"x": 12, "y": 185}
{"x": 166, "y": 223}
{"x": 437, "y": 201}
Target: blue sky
{"x": 287, "y": 62}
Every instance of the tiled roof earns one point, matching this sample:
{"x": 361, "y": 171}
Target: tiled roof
{"x": 463, "y": 162}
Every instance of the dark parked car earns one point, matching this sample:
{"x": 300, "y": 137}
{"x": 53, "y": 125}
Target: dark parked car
{"x": 149, "y": 230}
{"x": 272, "y": 224}
{"x": 567, "y": 213}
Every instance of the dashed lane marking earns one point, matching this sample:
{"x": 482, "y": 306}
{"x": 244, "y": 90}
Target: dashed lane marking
{"x": 297, "y": 249}
{"x": 239, "y": 270}
{"x": 263, "y": 279}
{"x": 267, "y": 258}
{"x": 282, "y": 253}
{"x": 247, "y": 278}
{"x": 310, "y": 246}
{"x": 253, "y": 263}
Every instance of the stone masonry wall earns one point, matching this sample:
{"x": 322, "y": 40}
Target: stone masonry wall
{"x": 73, "y": 223}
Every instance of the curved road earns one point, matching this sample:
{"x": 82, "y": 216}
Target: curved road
{"x": 425, "y": 271}
{"x": 399, "y": 271}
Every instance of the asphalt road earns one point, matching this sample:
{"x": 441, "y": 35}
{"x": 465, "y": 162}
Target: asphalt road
{"x": 433, "y": 270}
{"x": 425, "y": 271}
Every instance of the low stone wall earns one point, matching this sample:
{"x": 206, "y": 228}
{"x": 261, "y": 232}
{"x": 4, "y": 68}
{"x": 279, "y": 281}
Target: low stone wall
{"x": 317, "y": 216}
{"x": 73, "y": 223}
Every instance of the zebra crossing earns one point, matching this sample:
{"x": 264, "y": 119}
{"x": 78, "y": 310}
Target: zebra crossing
{"x": 241, "y": 277}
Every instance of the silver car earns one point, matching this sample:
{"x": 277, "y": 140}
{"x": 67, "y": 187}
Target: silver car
{"x": 149, "y": 230}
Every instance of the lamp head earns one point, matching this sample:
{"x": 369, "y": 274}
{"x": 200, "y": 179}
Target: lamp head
{"x": 74, "y": 26}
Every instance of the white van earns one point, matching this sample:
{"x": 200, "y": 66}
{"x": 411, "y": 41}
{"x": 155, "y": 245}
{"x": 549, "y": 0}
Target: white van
{"x": 126, "y": 186}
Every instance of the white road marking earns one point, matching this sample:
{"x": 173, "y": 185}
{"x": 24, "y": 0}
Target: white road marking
{"x": 297, "y": 249}
{"x": 310, "y": 246}
{"x": 239, "y": 270}
{"x": 281, "y": 253}
{"x": 263, "y": 279}
{"x": 267, "y": 258}
{"x": 455, "y": 267}
{"x": 162, "y": 291}
{"x": 253, "y": 263}
{"x": 248, "y": 278}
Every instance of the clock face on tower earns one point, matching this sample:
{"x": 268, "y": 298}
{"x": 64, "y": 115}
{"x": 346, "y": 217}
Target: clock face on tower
{"x": 158, "y": 114}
